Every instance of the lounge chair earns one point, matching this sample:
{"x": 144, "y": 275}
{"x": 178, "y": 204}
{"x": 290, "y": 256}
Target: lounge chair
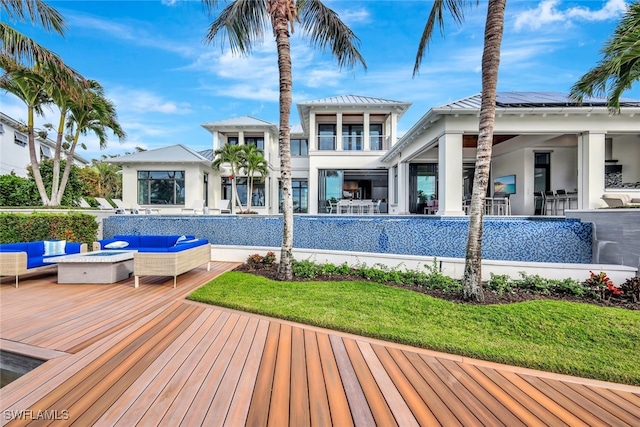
{"x": 83, "y": 203}
{"x": 198, "y": 206}
{"x": 222, "y": 207}
{"x": 120, "y": 206}
{"x": 619, "y": 200}
{"x": 104, "y": 204}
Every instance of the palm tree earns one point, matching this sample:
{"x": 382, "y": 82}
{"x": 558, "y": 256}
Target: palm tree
{"x": 28, "y": 85}
{"x": 231, "y": 155}
{"x": 471, "y": 285}
{"x": 245, "y": 23}
{"x": 620, "y": 66}
{"x": 253, "y": 163}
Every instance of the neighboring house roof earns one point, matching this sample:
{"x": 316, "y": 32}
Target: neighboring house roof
{"x": 296, "y": 129}
{"x": 239, "y": 123}
{"x": 207, "y": 154}
{"x": 356, "y": 102}
{"x": 45, "y": 142}
{"x": 173, "y": 154}
{"x": 528, "y": 103}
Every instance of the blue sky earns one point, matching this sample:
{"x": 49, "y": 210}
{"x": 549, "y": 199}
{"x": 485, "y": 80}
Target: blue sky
{"x": 151, "y": 58}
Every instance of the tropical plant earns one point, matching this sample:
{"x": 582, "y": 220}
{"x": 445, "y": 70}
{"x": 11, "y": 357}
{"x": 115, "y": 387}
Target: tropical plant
{"x": 471, "y": 283}
{"x": 73, "y": 189}
{"x": 230, "y": 155}
{"x": 245, "y": 23}
{"x": 24, "y": 50}
{"x": 253, "y": 164}
{"x": 619, "y": 68}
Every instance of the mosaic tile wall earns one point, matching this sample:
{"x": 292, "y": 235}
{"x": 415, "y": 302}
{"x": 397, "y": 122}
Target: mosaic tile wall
{"x": 504, "y": 238}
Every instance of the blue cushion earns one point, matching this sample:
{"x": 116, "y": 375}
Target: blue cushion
{"x": 35, "y": 249}
{"x": 189, "y": 245}
{"x": 13, "y": 247}
{"x": 134, "y": 241}
{"x": 72, "y": 248}
{"x": 37, "y": 261}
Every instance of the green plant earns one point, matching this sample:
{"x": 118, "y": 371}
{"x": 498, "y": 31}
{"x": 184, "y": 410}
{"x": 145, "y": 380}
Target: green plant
{"x": 269, "y": 258}
{"x": 602, "y": 285}
{"x": 500, "y": 283}
{"x": 569, "y": 287}
{"x": 305, "y": 268}
{"x": 631, "y": 288}
{"x": 74, "y": 227}
{"x": 255, "y": 260}
{"x": 533, "y": 283}
{"x": 438, "y": 281}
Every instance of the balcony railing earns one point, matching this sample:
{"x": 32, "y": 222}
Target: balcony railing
{"x": 354, "y": 142}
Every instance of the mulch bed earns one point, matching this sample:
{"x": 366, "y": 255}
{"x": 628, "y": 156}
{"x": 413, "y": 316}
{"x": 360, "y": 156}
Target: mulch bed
{"x": 490, "y": 297}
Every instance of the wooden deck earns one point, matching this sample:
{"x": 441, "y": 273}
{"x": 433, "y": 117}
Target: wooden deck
{"x": 125, "y": 356}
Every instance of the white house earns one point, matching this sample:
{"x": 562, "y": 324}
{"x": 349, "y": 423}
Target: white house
{"x": 14, "y": 148}
{"x": 347, "y": 147}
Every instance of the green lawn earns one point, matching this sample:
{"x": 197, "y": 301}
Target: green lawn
{"x": 569, "y": 338}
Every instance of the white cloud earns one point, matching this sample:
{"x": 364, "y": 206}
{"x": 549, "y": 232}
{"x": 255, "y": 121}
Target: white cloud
{"x": 142, "y": 102}
{"x": 548, "y": 12}
{"x": 354, "y": 16}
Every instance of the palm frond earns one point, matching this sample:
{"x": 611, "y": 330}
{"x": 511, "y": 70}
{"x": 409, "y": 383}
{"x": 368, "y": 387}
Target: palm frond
{"x": 619, "y": 67}
{"x": 327, "y": 30}
{"x": 244, "y": 22}
{"x": 456, "y": 9}
{"x": 35, "y": 11}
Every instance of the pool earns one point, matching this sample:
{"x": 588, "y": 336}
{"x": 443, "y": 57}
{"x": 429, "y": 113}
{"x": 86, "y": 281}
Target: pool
{"x": 531, "y": 239}
{"x": 13, "y": 366}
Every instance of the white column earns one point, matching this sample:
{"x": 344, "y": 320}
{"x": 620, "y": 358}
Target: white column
{"x": 241, "y": 137}
{"x": 267, "y": 146}
{"x": 216, "y": 140}
{"x": 590, "y": 170}
{"x": 339, "y": 132}
{"x": 450, "y": 174}
{"x": 403, "y": 189}
{"x": 367, "y": 139}
{"x": 393, "y": 131}
{"x": 313, "y": 132}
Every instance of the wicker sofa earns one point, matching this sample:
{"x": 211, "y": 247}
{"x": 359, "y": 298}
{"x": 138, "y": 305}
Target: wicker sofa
{"x": 20, "y": 258}
{"x": 158, "y": 255}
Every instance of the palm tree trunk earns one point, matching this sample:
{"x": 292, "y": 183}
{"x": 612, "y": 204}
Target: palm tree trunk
{"x": 285, "y": 269}
{"x": 471, "y": 285}
{"x": 35, "y": 166}
{"x": 56, "y": 194}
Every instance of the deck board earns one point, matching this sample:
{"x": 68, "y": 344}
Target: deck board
{"x": 122, "y": 356}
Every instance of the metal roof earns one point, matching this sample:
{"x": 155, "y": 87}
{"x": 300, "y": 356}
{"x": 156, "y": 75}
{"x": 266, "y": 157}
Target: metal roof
{"x": 356, "y": 102}
{"x": 207, "y": 154}
{"x": 533, "y": 100}
{"x": 173, "y": 154}
{"x": 238, "y": 122}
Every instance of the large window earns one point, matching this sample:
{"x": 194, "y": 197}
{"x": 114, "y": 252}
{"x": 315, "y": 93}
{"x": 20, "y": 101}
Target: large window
{"x": 334, "y": 185}
{"x": 299, "y": 194}
{"x": 542, "y": 172}
{"x": 326, "y": 137}
{"x": 232, "y": 140}
{"x": 299, "y": 147}
{"x": 423, "y": 185}
{"x": 258, "y": 142}
{"x": 376, "y": 139}
{"x": 161, "y": 187}
{"x": 258, "y": 193}
{"x": 352, "y": 137}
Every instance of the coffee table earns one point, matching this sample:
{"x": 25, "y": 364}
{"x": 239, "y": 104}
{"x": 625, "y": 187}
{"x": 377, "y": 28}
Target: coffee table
{"x": 94, "y": 267}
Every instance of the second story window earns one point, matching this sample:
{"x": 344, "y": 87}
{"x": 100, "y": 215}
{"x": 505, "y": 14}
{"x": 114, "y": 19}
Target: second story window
{"x": 376, "y": 139}
{"x": 326, "y": 137}
{"x": 20, "y": 139}
{"x": 352, "y": 137}
{"x": 232, "y": 140}
{"x": 299, "y": 147}
{"x": 258, "y": 142}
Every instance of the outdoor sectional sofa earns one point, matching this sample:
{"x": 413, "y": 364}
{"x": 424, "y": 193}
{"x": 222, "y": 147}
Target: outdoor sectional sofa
{"x": 159, "y": 255}
{"x": 21, "y": 258}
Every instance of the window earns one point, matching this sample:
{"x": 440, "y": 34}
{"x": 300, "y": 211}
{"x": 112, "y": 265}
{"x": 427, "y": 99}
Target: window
{"x": 20, "y": 139}
{"x": 232, "y": 140}
{"x": 352, "y": 137}
{"x": 161, "y": 187}
{"x": 299, "y": 147}
{"x": 326, "y": 137}
{"x": 423, "y": 185}
{"x": 299, "y": 194}
{"x": 542, "y": 172}
{"x": 376, "y": 138}
{"x": 45, "y": 152}
{"x": 258, "y": 142}
{"x": 258, "y": 193}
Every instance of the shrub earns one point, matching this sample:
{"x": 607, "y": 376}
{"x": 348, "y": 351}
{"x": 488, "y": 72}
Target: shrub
{"x": 500, "y": 283}
{"x": 569, "y": 287}
{"x": 533, "y": 283}
{"x": 74, "y": 227}
{"x": 602, "y": 286}
{"x": 436, "y": 280}
{"x": 631, "y": 288}
{"x": 269, "y": 258}
{"x": 255, "y": 260}
{"x": 305, "y": 268}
